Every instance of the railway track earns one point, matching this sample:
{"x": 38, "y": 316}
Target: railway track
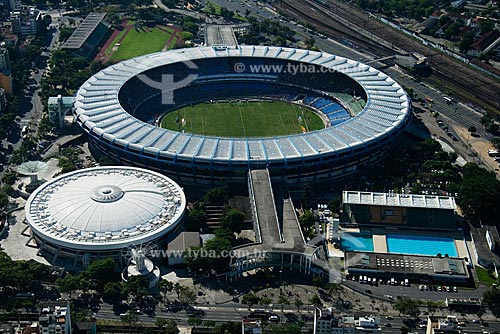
{"x": 303, "y": 12}
{"x": 343, "y": 20}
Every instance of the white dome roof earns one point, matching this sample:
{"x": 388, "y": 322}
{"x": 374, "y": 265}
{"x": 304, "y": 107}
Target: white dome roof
{"x": 105, "y": 206}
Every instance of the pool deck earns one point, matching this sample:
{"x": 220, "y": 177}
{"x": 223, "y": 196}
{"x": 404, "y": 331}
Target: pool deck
{"x": 380, "y": 240}
{"x": 379, "y": 243}
{"x": 461, "y": 248}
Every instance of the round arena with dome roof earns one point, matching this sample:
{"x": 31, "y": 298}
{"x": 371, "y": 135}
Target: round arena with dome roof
{"x": 103, "y": 211}
{"x": 363, "y": 109}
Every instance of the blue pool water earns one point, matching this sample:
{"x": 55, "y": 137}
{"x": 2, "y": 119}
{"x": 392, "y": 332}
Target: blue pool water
{"x": 419, "y": 245}
{"x": 357, "y": 241}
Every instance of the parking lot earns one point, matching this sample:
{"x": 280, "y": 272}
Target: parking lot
{"x": 390, "y": 289}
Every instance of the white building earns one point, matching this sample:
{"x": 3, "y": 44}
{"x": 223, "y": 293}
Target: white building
{"x": 55, "y": 320}
{"x": 442, "y": 325}
{"x": 368, "y": 323}
{"x": 251, "y": 326}
{"x": 326, "y": 323}
{"x": 99, "y": 212}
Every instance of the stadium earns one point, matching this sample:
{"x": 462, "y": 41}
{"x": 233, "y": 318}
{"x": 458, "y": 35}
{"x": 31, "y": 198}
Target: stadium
{"x": 363, "y": 109}
{"x": 103, "y": 211}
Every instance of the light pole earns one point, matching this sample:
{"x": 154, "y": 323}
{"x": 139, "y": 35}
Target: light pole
{"x": 281, "y": 278}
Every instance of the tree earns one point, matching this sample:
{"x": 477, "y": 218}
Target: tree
{"x": 129, "y": 318}
{"x": 307, "y": 220}
{"x": 195, "y": 219}
{"x": 233, "y": 220}
{"x": 334, "y": 288}
{"x": 187, "y": 36}
{"x": 492, "y": 127}
{"x": 452, "y": 30}
{"x": 187, "y": 296}
{"x": 68, "y": 284}
{"x": 178, "y": 289}
{"x": 113, "y": 291}
{"x": 298, "y": 303}
{"x": 491, "y": 299}
{"x": 47, "y": 20}
{"x": 486, "y": 26}
{"x": 9, "y": 177}
{"x": 479, "y": 194}
{"x": 466, "y": 42}
{"x": 194, "y": 321}
{"x": 137, "y": 286}
{"x": 432, "y": 306}
{"x": 165, "y": 286}
{"x": 404, "y": 329}
{"x": 171, "y": 327}
{"x": 317, "y": 281}
{"x": 316, "y": 301}
{"x": 407, "y": 306}
{"x": 160, "y": 322}
{"x": 283, "y": 300}
{"x": 218, "y": 195}
{"x": 209, "y": 323}
{"x": 250, "y": 299}
{"x": 100, "y": 270}
{"x": 265, "y": 301}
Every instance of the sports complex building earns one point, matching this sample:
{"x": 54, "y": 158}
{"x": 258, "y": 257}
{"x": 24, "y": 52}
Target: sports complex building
{"x": 103, "y": 211}
{"x": 402, "y": 236}
{"x": 119, "y": 107}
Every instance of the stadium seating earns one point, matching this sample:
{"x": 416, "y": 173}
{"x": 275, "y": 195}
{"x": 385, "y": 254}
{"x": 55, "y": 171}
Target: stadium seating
{"x": 217, "y": 80}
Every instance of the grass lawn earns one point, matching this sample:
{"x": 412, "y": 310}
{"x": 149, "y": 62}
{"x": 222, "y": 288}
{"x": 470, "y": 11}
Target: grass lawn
{"x": 244, "y": 119}
{"x": 117, "y": 38}
{"x": 484, "y": 277}
{"x": 138, "y": 43}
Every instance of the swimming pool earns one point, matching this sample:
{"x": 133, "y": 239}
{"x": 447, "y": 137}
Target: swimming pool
{"x": 420, "y": 245}
{"x": 357, "y": 242}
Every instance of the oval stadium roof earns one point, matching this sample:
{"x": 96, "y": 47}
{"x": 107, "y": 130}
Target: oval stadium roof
{"x": 98, "y": 110}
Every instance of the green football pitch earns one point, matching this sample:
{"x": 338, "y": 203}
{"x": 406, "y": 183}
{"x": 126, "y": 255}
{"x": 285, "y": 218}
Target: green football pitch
{"x": 243, "y": 119}
{"x": 138, "y": 43}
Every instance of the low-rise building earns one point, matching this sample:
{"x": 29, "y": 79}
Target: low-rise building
{"x": 442, "y": 325}
{"x": 411, "y": 267}
{"x": 176, "y": 248}
{"x": 55, "y": 319}
{"x": 325, "y": 322}
{"x": 464, "y": 304}
{"x": 368, "y": 324}
{"x": 251, "y": 326}
{"x": 429, "y": 212}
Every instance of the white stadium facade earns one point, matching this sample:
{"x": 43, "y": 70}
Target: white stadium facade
{"x": 104, "y": 212}
{"x": 119, "y": 106}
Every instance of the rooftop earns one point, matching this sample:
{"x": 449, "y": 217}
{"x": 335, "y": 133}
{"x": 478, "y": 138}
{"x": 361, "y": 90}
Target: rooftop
{"x": 98, "y": 110}
{"x": 80, "y": 35}
{"x": 220, "y": 34}
{"x": 409, "y": 264}
{"x": 184, "y": 241}
{"x": 105, "y": 205}
{"x": 401, "y": 200}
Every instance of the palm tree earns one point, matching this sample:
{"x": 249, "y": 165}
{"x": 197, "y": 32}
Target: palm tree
{"x": 298, "y": 303}
{"x": 283, "y": 300}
